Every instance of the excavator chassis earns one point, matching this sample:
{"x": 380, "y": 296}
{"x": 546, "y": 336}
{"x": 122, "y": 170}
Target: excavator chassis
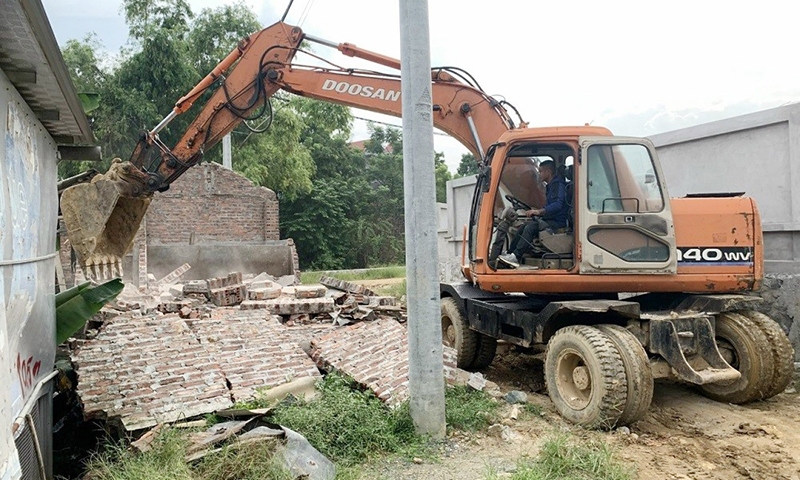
{"x": 592, "y": 339}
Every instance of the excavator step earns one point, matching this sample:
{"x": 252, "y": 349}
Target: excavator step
{"x": 673, "y": 336}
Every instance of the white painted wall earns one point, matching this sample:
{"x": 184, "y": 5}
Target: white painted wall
{"x": 28, "y": 213}
{"x": 758, "y": 154}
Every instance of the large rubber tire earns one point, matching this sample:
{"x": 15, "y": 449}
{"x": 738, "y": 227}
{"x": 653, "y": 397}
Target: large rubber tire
{"x": 487, "y": 348}
{"x": 637, "y": 373}
{"x": 585, "y": 376}
{"x": 456, "y": 333}
{"x": 741, "y": 339}
{"x": 782, "y": 352}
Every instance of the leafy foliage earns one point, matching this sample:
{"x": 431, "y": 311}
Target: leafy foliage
{"x": 74, "y": 307}
{"x": 467, "y": 166}
{"x": 343, "y": 207}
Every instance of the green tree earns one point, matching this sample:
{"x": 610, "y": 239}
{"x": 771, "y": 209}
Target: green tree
{"x": 467, "y": 166}
{"x": 443, "y": 176}
{"x": 146, "y": 16}
{"x": 216, "y": 32}
{"x": 83, "y": 61}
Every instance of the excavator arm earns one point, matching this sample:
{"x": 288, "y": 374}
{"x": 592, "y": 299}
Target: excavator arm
{"x": 103, "y": 217}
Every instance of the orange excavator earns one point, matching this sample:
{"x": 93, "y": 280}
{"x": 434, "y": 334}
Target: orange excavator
{"x": 637, "y": 286}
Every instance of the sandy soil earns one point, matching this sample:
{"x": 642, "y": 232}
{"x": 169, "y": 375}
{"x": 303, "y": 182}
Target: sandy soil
{"x": 683, "y": 436}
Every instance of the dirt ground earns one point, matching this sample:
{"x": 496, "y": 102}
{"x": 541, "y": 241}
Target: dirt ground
{"x": 683, "y": 436}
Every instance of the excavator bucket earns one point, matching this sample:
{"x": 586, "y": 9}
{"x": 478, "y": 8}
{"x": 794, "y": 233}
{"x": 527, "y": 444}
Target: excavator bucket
{"x": 101, "y": 224}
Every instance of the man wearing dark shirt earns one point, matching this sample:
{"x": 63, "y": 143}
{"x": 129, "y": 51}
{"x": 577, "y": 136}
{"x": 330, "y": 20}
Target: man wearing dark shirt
{"x": 553, "y": 216}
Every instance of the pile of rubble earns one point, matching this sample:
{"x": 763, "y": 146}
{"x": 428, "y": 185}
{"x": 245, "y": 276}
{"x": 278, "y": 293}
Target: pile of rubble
{"x": 196, "y": 347}
{"x": 333, "y": 300}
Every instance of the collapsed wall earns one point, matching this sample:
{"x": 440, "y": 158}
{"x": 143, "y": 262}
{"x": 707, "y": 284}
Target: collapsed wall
{"x": 217, "y": 221}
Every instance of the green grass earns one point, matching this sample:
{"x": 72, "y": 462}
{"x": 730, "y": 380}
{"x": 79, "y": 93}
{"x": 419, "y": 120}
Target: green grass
{"x": 396, "y": 290}
{"x": 165, "y": 461}
{"x": 563, "y": 456}
{"x": 349, "y": 426}
{"x": 251, "y": 461}
{"x": 469, "y": 410}
{"x": 395, "y": 271}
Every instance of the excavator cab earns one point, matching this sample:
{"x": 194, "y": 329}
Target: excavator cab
{"x": 620, "y": 219}
{"x": 521, "y": 188}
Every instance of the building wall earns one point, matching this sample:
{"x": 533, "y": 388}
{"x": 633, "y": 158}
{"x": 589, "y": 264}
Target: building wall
{"x": 218, "y": 222}
{"x": 758, "y": 154}
{"x": 211, "y": 204}
{"x": 28, "y": 216}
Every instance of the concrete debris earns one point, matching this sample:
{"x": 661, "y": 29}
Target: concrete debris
{"x": 516, "y": 396}
{"x": 287, "y": 280}
{"x": 227, "y": 291}
{"x": 193, "y": 348}
{"x": 345, "y": 286}
{"x": 310, "y": 291}
{"x": 476, "y": 381}
{"x": 174, "y": 275}
{"x": 503, "y": 432}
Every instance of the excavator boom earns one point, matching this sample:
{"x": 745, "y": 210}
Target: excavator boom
{"x": 103, "y": 217}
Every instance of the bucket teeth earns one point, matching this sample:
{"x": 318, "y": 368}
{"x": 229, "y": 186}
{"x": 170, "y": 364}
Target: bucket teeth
{"x": 101, "y": 268}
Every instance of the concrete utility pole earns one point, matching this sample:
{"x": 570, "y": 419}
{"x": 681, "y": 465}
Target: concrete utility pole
{"x": 426, "y": 370}
{"x": 227, "y": 154}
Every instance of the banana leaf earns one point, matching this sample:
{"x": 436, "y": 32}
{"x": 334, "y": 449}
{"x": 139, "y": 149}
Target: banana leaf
{"x": 89, "y": 101}
{"x": 74, "y": 307}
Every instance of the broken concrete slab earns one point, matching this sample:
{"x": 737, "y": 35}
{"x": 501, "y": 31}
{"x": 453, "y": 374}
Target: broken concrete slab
{"x": 345, "y": 286}
{"x": 374, "y": 354}
{"x": 286, "y": 305}
{"x": 148, "y": 370}
{"x": 310, "y": 291}
{"x": 255, "y": 305}
{"x": 263, "y": 292}
{"x": 174, "y": 275}
{"x": 199, "y": 287}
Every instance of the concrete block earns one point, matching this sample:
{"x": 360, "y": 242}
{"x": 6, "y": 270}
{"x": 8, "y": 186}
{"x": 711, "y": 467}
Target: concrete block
{"x": 195, "y": 287}
{"x": 287, "y": 280}
{"x": 263, "y": 293}
{"x": 174, "y": 275}
{"x": 285, "y": 305}
{"x": 380, "y": 301}
{"x": 228, "y": 295}
{"x": 345, "y": 286}
{"x": 310, "y": 291}
{"x": 254, "y": 305}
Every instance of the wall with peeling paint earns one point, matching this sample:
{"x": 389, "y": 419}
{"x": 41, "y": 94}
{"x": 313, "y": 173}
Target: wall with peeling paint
{"x": 28, "y": 214}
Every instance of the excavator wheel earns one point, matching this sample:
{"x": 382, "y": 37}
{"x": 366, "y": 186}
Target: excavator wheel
{"x": 637, "y": 373}
{"x": 585, "y": 376}
{"x": 746, "y": 348}
{"x": 456, "y": 333}
{"x": 782, "y": 352}
{"x": 487, "y": 347}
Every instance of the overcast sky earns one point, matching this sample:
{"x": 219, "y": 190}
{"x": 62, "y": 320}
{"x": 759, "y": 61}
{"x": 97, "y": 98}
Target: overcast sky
{"x": 637, "y": 67}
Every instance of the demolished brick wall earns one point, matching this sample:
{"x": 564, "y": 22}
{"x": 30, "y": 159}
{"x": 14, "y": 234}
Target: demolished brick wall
{"x": 211, "y": 204}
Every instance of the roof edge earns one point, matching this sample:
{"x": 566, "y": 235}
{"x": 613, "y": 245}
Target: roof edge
{"x": 46, "y": 39}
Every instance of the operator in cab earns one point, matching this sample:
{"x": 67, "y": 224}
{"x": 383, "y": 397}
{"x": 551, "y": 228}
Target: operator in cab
{"x": 553, "y": 216}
